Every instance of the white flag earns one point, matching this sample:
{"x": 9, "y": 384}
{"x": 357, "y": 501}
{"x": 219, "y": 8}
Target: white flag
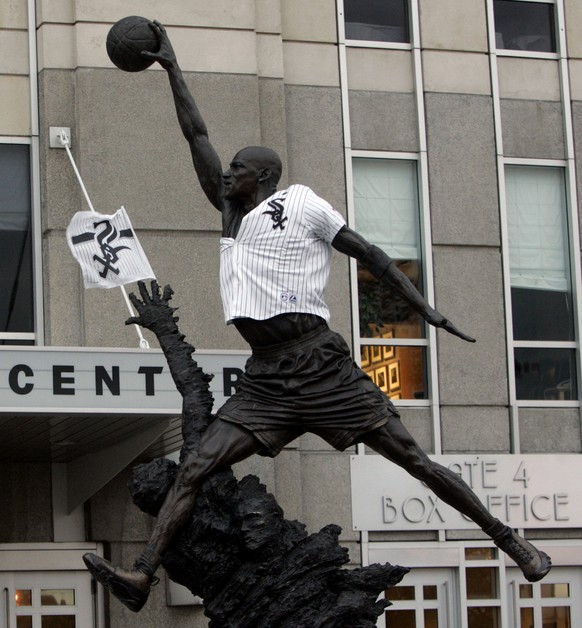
{"x": 107, "y": 249}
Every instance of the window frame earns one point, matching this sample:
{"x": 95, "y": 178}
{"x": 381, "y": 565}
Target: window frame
{"x": 573, "y": 259}
{"x": 369, "y": 43}
{"x": 37, "y": 335}
{"x": 427, "y": 342}
{"x": 529, "y": 54}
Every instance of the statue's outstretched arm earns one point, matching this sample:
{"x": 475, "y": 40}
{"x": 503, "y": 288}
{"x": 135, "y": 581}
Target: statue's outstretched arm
{"x": 206, "y": 161}
{"x": 384, "y": 268}
{"x": 156, "y": 314}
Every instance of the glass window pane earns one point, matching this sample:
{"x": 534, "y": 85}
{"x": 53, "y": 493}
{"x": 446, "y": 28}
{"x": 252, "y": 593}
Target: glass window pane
{"x": 524, "y": 26}
{"x": 377, "y": 20}
{"x": 556, "y": 617}
{"x": 398, "y": 371}
{"x": 16, "y": 310}
{"x": 539, "y": 253}
{"x": 386, "y": 204}
{"x": 526, "y": 615}
{"x": 525, "y": 591}
{"x": 430, "y": 592}
{"x": 545, "y": 374}
{"x": 400, "y": 619}
{"x": 400, "y": 593}
{"x": 542, "y": 314}
{"x": 431, "y": 618}
{"x": 481, "y": 583}
{"x": 483, "y": 617}
{"x": 387, "y": 214}
{"x": 380, "y": 308}
{"x": 480, "y": 553}
{"x": 57, "y": 597}
{"x": 13, "y": 342}
{"x": 23, "y": 597}
{"x": 58, "y": 621}
{"x": 23, "y": 621}
{"x": 555, "y": 590}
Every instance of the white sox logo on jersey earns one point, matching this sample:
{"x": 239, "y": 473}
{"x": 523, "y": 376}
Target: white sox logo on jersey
{"x": 276, "y": 212}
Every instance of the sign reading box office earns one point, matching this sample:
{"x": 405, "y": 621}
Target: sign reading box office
{"x": 524, "y": 491}
{"x": 85, "y": 380}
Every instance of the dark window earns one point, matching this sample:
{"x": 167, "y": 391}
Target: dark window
{"x": 542, "y": 314}
{"x": 16, "y": 296}
{"x": 377, "y": 20}
{"x": 525, "y": 26}
{"x": 545, "y": 374}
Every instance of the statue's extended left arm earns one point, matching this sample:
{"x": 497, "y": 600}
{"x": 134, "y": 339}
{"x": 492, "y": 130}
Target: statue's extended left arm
{"x": 384, "y": 268}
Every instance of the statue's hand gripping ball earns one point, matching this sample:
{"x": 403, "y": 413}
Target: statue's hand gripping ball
{"x": 126, "y": 40}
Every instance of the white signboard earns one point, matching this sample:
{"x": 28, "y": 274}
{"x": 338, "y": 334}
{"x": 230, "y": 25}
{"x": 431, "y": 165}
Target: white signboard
{"x": 81, "y": 380}
{"x": 524, "y": 491}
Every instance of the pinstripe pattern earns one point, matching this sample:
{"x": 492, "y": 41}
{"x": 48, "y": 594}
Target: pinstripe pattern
{"x": 279, "y": 261}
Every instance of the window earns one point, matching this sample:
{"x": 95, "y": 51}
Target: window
{"x": 541, "y": 288}
{"x": 16, "y": 278}
{"x": 526, "y": 26}
{"x": 377, "y": 20}
{"x": 387, "y": 214}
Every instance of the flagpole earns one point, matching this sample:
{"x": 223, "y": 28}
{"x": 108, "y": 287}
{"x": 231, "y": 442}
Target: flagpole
{"x": 65, "y": 141}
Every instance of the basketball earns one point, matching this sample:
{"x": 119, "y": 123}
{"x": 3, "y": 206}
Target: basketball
{"x": 126, "y": 40}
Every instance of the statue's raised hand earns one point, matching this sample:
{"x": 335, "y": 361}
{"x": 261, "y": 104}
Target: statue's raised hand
{"x": 154, "y": 310}
{"x": 165, "y": 56}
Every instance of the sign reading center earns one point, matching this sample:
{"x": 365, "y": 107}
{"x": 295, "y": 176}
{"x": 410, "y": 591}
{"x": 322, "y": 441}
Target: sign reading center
{"x": 49, "y": 379}
{"x": 525, "y": 491}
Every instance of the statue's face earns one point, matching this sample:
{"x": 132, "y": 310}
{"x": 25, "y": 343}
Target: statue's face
{"x": 241, "y": 180}
{"x": 260, "y": 527}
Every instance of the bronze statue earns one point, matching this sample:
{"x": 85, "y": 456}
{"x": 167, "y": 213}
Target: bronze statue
{"x": 275, "y": 252}
{"x": 252, "y": 566}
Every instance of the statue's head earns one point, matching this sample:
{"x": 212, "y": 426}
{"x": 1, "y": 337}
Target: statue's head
{"x": 252, "y": 168}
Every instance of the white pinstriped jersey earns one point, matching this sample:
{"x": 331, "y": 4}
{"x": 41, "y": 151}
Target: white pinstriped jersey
{"x": 279, "y": 261}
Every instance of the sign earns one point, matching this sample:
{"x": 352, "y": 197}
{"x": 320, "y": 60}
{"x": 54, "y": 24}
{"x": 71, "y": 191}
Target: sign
{"x": 81, "y": 380}
{"x": 524, "y": 491}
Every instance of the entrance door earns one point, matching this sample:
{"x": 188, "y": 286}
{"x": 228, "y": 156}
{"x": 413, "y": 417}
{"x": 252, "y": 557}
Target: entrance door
{"x": 46, "y": 599}
{"x": 552, "y": 603}
{"x": 421, "y": 601}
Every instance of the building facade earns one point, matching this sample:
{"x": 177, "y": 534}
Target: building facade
{"x": 448, "y": 133}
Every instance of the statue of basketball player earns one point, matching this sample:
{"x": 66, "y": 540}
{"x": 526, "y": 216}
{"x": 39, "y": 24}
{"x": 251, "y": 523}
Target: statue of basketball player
{"x": 275, "y": 258}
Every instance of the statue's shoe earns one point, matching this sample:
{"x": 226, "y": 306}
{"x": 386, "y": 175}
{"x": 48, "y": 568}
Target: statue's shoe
{"x": 534, "y": 563}
{"x": 131, "y": 588}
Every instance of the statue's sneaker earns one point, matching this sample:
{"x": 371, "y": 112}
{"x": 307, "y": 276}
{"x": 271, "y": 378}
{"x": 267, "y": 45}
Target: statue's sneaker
{"x": 534, "y": 563}
{"x": 131, "y": 588}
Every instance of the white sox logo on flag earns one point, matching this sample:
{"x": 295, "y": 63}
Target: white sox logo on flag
{"x": 105, "y": 237}
{"x": 107, "y": 249}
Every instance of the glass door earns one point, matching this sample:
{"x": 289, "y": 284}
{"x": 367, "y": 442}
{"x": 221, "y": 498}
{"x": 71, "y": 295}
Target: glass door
{"x": 46, "y": 599}
{"x": 553, "y": 603}
{"x": 420, "y": 601}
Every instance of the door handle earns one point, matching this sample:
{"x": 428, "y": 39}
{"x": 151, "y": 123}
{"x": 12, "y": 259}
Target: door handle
{"x": 7, "y": 606}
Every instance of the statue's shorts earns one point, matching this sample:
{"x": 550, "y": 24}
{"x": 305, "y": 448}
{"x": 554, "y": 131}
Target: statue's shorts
{"x": 310, "y": 384}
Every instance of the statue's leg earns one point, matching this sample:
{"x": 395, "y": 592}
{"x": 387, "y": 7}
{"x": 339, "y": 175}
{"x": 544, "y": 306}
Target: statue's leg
{"x": 394, "y": 442}
{"x": 222, "y": 445}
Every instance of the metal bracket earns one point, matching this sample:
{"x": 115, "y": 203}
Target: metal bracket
{"x": 59, "y": 136}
